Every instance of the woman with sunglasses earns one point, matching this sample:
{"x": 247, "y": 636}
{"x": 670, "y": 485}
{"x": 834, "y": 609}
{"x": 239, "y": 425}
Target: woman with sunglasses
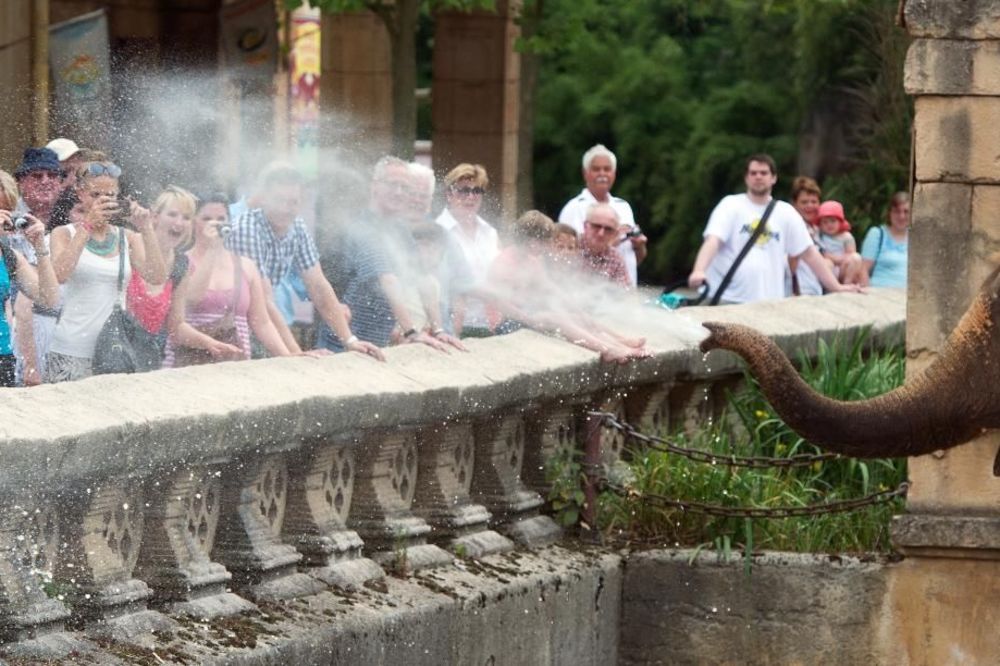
{"x": 39, "y": 284}
{"x": 86, "y": 262}
{"x": 206, "y": 297}
{"x": 465, "y": 187}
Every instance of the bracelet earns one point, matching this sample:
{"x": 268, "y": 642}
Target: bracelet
{"x": 438, "y": 331}
{"x": 409, "y": 333}
{"x": 351, "y": 340}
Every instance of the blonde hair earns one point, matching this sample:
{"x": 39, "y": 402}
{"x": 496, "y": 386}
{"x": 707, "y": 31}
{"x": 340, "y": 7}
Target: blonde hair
{"x": 474, "y": 172}
{"x": 532, "y": 225}
{"x": 173, "y": 195}
{"x": 8, "y": 189}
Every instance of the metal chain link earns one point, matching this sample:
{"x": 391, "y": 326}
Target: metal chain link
{"x": 609, "y": 420}
{"x": 840, "y": 506}
{"x": 698, "y": 455}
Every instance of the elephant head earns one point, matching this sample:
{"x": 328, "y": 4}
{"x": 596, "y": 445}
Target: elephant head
{"x": 948, "y": 404}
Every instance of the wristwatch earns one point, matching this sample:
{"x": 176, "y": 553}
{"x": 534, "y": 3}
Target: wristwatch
{"x": 409, "y": 333}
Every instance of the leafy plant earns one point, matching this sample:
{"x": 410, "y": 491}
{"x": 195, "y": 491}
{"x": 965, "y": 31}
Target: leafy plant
{"x": 845, "y": 369}
{"x": 564, "y": 474}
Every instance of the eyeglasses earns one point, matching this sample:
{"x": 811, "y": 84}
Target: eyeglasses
{"x": 43, "y": 175}
{"x": 602, "y": 229}
{"x": 100, "y": 169}
{"x": 467, "y": 191}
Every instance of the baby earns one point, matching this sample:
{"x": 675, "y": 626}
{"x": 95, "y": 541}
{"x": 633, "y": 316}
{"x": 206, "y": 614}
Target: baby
{"x": 838, "y": 246}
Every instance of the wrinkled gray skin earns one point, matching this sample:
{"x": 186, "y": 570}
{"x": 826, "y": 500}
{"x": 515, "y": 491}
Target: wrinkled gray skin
{"x": 953, "y": 401}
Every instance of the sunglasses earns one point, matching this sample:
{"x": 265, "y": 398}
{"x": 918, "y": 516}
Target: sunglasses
{"x": 466, "y": 191}
{"x": 43, "y": 175}
{"x": 100, "y": 169}
{"x": 600, "y": 228}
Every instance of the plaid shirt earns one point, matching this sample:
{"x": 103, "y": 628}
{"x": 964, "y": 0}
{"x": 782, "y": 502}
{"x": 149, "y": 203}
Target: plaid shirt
{"x": 275, "y": 257}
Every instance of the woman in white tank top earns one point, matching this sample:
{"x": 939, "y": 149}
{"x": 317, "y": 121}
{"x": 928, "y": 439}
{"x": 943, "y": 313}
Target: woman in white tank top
{"x": 86, "y": 264}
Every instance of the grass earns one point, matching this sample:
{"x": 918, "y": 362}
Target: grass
{"x": 846, "y": 369}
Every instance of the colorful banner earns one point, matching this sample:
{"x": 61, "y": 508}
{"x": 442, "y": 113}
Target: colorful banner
{"x": 304, "y": 71}
{"x": 250, "y": 39}
{"x": 81, "y": 64}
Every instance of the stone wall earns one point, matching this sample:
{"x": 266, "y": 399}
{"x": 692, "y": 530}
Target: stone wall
{"x": 232, "y": 492}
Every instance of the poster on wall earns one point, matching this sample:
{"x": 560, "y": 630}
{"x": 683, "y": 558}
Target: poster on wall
{"x": 250, "y": 39}
{"x": 304, "y": 71}
{"x": 80, "y": 61}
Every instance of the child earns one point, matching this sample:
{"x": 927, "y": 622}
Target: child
{"x": 838, "y": 246}
{"x": 565, "y": 250}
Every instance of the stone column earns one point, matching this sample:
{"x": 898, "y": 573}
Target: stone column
{"x": 384, "y": 486}
{"x": 181, "y": 523}
{"x": 500, "y": 445}
{"x": 248, "y": 543}
{"x": 104, "y": 528}
{"x": 951, "y": 530}
{"x": 356, "y": 85}
{"x": 29, "y": 617}
{"x": 552, "y": 431}
{"x": 476, "y": 98}
{"x": 447, "y": 458}
{"x": 319, "y": 502}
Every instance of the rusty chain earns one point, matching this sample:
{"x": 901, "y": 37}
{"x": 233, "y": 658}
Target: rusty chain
{"x": 698, "y": 455}
{"x": 717, "y": 510}
{"x": 609, "y": 420}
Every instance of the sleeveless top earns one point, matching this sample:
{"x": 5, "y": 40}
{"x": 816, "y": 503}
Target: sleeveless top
{"x": 89, "y": 296}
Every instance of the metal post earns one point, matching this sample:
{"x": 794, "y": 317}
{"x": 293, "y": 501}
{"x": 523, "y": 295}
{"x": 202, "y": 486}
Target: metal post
{"x": 591, "y": 466}
{"x": 40, "y": 70}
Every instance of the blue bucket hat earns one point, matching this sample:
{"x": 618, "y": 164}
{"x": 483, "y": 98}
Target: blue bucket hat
{"x": 38, "y": 159}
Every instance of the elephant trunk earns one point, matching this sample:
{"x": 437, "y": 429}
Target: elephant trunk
{"x": 909, "y": 421}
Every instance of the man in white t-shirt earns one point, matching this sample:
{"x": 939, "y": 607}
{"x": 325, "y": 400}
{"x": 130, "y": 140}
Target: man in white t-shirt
{"x": 599, "y": 169}
{"x": 761, "y": 275}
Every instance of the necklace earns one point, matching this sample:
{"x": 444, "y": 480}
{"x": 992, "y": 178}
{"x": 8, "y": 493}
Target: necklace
{"x": 105, "y": 247}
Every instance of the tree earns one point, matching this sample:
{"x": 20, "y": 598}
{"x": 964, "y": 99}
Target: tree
{"x": 400, "y": 19}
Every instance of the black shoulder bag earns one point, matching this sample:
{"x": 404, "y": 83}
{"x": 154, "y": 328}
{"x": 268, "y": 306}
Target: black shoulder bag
{"x": 123, "y": 345}
{"x": 743, "y": 253}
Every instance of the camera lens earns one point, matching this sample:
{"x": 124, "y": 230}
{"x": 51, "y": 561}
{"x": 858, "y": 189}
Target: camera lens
{"x": 21, "y": 222}
{"x": 225, "y": 230}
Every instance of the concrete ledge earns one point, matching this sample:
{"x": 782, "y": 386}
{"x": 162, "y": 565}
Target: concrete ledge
{"x": 55, "y": 435}
{"x": 951, "y": 19}
{"x": 953, "y": 536}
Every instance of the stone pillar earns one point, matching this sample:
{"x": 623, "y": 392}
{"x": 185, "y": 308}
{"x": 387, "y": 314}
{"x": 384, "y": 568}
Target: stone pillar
{"x": 181, "y": 523}
{"x": 447, "y": 460}
{"x": 319, "y": 502}
{"x": 500, "y": 445}
{"x": 951, "y": 530}
{"x": 552, "y": 431}
{"x": 15, "y": 78}
{"x": 384, "y": 486}
{"x": 476, "y": 98}
{"x": 248, "y": 543}
{"x": 356, "y": 86}
{"x": 104, "y": 529}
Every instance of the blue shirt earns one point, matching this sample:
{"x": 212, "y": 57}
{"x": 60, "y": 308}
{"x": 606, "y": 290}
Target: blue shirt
{"x": 889, "y": 256}
{"x": 5, "y": 342}
{"x": 275, "y": 257}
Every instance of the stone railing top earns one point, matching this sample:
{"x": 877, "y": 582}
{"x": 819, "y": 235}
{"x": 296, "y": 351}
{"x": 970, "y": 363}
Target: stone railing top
{"x": 138, "y": 424}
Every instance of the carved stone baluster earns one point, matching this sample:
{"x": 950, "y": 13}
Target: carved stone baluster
{"x": 319, "y": 502}
{"x": 447, "y": 457}
{"x": 612, "y": 441}
{"x": 500, "y": 444}
{"x": 648, "y": 408}
{"x": 31, "y": 622}
{"x": 552, "y": 432}
{"x": 181, "y": 522}
{"x": 102, "y": 547}
{"x": 384, "y": 486}
{"x": 248, "y": 541}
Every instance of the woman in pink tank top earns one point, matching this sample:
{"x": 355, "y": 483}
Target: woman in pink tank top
{"x": 206, "y": 294}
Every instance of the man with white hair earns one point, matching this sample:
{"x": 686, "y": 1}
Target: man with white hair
{"x": 600, "y": 167}
{"x": 600, "y": 233}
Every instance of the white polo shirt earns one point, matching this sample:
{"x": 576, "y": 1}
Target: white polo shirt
{"x": 480, "y": 250}
{"x": 574, "y": 213}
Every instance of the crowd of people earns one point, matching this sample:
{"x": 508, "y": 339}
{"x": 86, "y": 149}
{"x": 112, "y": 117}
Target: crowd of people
{"x": 756, "y": 247}
{"x": 205, "y": 279}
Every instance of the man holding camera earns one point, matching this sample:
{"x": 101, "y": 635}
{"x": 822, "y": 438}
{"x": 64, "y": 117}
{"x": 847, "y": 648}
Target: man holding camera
{"x": 600, "y": 167}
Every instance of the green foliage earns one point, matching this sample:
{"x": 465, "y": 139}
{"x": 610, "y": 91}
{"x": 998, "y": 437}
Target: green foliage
{"x": 565, "y": 477}
{"x": 846, "y": 369}
{"x": 335, "y": 6}
{"x": 684, "y": 90}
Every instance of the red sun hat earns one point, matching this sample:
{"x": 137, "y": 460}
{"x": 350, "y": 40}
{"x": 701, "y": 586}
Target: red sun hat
{"x": 833, "y": 209}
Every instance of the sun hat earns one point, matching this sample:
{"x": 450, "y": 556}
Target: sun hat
{"x": 63, "y": 148}
{"x": 833, "y": 209}
{"x": 38, "y": 159}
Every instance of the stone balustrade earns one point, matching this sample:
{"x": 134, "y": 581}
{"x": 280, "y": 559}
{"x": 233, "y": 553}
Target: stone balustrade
{"x": 131, "y": 502}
